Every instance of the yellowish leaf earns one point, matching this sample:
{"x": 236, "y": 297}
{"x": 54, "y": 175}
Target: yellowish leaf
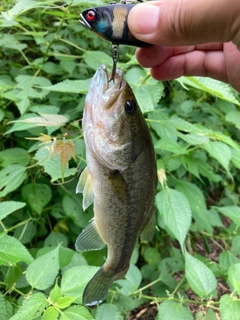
{"x": 66, "y": 150}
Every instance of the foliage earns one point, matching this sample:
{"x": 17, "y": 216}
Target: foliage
{"x": 47, "y": 61}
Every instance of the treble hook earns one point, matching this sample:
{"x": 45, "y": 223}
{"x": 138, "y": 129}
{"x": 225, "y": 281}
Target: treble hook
{"x": 115, "y": 57}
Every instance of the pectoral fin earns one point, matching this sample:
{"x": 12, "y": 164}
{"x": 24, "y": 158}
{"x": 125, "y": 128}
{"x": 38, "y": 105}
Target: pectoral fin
{"x": 149, "y": 228}
{"x": 89, "y": 239}
{"x": 85, "y": 186}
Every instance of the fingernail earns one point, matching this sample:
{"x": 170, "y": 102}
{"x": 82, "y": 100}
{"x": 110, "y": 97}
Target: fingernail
{"x": 143, "y": 19}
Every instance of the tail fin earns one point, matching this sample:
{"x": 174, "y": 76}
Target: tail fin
{"x": 97, "y": 288}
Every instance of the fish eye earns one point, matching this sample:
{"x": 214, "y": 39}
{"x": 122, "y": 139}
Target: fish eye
{"x": 130, "y": 106}
{"x": 91, "y": 15}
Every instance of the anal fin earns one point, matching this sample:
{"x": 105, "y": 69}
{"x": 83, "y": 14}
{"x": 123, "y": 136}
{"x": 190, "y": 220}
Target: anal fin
{"x": 85, "y": 186}
{"x": 89, "y": 238}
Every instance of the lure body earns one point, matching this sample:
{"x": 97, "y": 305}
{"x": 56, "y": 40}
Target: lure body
{"x": 110, "y": 23}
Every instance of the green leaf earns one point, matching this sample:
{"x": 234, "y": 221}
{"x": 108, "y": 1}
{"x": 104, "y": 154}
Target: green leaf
{"x": 108, "y": 311}
{"x": 199, "y": 276}
{"x": 9, "y": 41}
{"x": 75, "y": 279}
{"x": 147, "y": 90}
{"x": 189, "y": 163}
{"x": 96, "y": 58}
{"x": 37, "y": 195}
{"x": 197, "y": 204}
{"x": 236, "y": 158}
{"x": 194, "y": 138}
{"x": 45, "y": 120}
{"x": 11, "y": 178}
{"x": 229, "y": 308}
{"x": 174, "y": 207}
{"x": 32, "y": 307}
{"x": 42, "y": 272}
{"x": 171, "y": 146}
{"x": 26, "y": 232}
{"x": 65, "y": 302}
{"x": 76, "y": 313}
{"x": 71, "y": 86}
{"x": 5, "y": 313}
{"x": 171, "y": 310}
{"x": 24, "y": 5}
{"x": 236, "y": 244}
{"x": 219, "y": 151}
{"x": 50, "y": 314}
{"x": 232, "y": 212}
{"x": 214, "y": 87}
{"x": 7, "y": 207}
{"x": 226, "y": 259}
{"x": 234, "y": 276}
{"x": 234, "y": 117}
{"x": 12, "y": 251}
{"x": 72, "y": 206}
{"x": 8, "y": 157}
{"x": 210, "y": 315}
{"x": 55, "y": 293}
{"x": 13, "y": 274}
{"x": 131, "y": 282}
{"x": 152, "y": 257}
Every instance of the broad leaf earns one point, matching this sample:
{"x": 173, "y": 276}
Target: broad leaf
{"x": 12, "y": 251}
{"x": 37, "y": 195}
{"x": 174, "y": 207}
{"x": 171, "y": 310}
{"x": 42, "y": 272}
{"x": 108, "y": 311}
{"x": 71, "y": 86}
{"x": 214, "y": 87}
{"x": 76, "y": 313}
{"x": 131, "y": 282}
{"x": 50, "y": 314}
{"x": 219, "y": 151}
{"x": 11, "y": 178}
{"x": 5, "y": 311}
{"x": 199, "y": 276}
{"x": 32, "y": 307}
{"x": 75, "y": 279}
{"x": 234, "y": 276}
{"x": 8, "y": 157}
{"x": 7, "y": 207}
{"x": 232, "y": 212}
{"x": 229, "y": 308}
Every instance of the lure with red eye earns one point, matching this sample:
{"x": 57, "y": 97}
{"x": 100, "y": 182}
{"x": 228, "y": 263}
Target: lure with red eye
{"x": 110, "y": 23}
{"x": 91, "y": 15}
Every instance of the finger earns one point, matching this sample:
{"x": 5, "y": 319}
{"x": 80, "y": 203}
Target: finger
{"x": 150, "y": 57}
{"x": 195, "y": 63}
{"x": 186, "y": 22}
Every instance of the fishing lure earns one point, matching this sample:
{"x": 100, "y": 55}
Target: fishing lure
{"x": 110, "y": 23}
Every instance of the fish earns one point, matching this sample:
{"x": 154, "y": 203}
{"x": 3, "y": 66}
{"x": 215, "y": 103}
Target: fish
{"x": 110, "y": 23}
{"x": 120, "y": 179}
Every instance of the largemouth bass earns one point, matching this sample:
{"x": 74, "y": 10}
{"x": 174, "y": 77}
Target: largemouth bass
{"x": 110, "y": 23}
{"x": 120, "y": 179}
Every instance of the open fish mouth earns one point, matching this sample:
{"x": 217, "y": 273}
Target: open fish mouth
{"x": 117, "y": 80}
{"x": 84, "y": 22}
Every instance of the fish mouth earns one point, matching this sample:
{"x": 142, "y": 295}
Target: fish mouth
{"x": 111, "y": 89}
{"x": 116, "y": 80}
{"x": 84, "y": 22}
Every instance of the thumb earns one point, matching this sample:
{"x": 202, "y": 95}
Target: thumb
{"x": 186, "y": 22}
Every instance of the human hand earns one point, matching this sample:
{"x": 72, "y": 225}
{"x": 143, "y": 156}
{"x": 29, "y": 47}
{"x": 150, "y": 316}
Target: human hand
{"x": 192, "y": 38}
